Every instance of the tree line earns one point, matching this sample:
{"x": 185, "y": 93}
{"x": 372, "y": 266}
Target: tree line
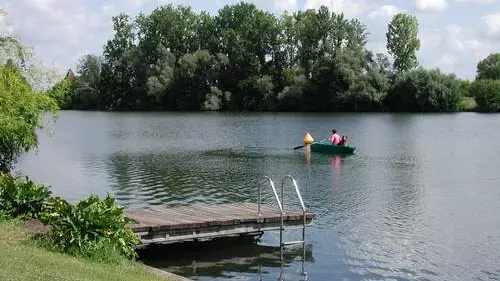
{"x": 244, "y": 58}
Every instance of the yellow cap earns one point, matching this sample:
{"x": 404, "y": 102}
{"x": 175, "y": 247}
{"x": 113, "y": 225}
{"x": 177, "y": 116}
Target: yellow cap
{"x": 308, "y": 139}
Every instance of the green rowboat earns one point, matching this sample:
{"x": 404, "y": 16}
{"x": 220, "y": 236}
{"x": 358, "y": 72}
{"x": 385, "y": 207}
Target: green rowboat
{"x": 328, "y": 147}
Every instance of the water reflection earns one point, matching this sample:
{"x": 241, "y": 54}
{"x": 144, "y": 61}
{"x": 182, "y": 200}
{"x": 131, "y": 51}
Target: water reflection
{"x": 228, "y": 258}
{"x": 303, "y": 273}
{"x": 169, "y": 178}
{"x": 335, "y": 161}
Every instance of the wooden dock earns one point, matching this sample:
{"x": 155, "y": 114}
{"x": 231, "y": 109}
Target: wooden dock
{"x": 200, "y": 222}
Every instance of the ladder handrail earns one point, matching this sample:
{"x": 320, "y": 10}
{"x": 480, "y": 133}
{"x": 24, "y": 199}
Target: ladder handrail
{"x": 281, "y": 206}
{"x": 297, "y": 191}
{"x": 275, "y": 196}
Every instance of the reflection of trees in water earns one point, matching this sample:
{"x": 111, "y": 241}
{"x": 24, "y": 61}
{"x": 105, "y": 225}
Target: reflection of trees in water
{"x": 388, "y": 232}
{"x": 404, "y": 194}
{"x": 338, "y": 189}
{"x": 404, "y": 171}
{"x": 217, "y": 176}
{"x": 220, "y": 258}
{"x": 173, "y": 178}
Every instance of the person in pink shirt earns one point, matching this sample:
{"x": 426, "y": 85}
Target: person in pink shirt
{"x": 335, "y": 138}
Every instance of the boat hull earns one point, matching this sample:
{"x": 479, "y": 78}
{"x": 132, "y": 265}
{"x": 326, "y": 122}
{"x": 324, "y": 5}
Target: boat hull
{"x": 328, "y": 147}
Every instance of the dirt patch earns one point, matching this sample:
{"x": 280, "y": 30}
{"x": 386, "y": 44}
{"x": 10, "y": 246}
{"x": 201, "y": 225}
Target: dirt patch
{"x": 34, "y": 226}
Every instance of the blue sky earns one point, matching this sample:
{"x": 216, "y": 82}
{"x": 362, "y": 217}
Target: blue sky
{"x": 455, "y": 34}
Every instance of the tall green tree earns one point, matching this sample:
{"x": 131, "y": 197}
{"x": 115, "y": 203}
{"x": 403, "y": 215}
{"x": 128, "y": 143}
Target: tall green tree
{"x": 118, "y": 71}
{"x": 489, "y": 67}
{"x": 403, "y": 42}
{"x": 89, "y": 71}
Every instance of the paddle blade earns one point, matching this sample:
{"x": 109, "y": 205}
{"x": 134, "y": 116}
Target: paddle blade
{"x": 297, "y": 147}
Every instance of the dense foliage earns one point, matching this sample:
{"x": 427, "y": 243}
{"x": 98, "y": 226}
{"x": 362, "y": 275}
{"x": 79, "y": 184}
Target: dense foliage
{"x": 21, "y": 115}
{"x": 424, "y": 90}
{"x": 22, "y": 197}
{"x": 489, "y": 68}
{"x": 244, "y": 58}
{"x": 92, "y": 225}
{"x": 487, "y": 94}
{"x": 22, "y": 104}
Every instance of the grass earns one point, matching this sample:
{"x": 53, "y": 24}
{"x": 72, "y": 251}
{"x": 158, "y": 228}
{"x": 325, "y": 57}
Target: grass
{"x": 21, "y": 260}
{"x": 467, "y": 104}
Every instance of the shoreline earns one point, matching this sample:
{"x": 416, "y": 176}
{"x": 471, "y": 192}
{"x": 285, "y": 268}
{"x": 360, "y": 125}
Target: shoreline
{"x": 14, "y": 236}
{"x": 171, "y": 276}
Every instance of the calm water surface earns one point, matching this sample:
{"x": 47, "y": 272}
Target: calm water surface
{"x": 419, "y": 200}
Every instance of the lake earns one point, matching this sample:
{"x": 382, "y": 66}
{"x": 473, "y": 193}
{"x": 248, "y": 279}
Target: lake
{"x": 419, "y": 199}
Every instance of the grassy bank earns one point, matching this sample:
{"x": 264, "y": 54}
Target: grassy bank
{"x": 21, "y": 260}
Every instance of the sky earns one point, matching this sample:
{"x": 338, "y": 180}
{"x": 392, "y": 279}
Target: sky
{"x": 455, "y": 34}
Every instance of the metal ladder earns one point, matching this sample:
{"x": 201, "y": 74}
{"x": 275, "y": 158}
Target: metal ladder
{"x": 282, "y": 209}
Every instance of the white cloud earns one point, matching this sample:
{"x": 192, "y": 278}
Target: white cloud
{"x": 454, "y": 49}
{"x": 430, "y": 38}
{"x": 285, "y": 5}
{"x": 62, "y": 31}
{"x": 385, "y": 11}
{"x": 5, "y": 26}
{"x": 351, "y": 8}
{"x": 492, "y": 22}
{"x": 431, "y": 5}
{"x": 447, "y": 59}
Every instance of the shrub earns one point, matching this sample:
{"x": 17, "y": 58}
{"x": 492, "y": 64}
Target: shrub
{"x": 487, "y": 94}
{"x": 90, "y": 227}
{"x": 424, "y": 90}
{"x": 22, "y": 197}
{"x": 467, "y": 104}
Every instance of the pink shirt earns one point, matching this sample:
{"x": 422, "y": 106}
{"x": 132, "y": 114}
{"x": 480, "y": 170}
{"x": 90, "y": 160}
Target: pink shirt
{"x": 335, "y": 139}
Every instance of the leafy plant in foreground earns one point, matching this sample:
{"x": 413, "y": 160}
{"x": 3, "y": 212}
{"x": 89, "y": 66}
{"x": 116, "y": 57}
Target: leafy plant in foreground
{"x": 90, "y": 225}
{"x": 22, "y": 197}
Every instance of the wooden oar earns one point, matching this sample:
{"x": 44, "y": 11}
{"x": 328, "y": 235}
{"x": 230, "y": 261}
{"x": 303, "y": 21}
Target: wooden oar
{"x": 301, "y": 146}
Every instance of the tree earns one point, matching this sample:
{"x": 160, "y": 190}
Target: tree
{"x": 424, "y": 90}
{"x": 21, "y": 110}
{"x": 489, "y": 67}
{"x": 62, "y": 92}
{"x": 89, "y": 71}
{"x": 244, "y": 58}
{"x": 403, "y": 42}
{"x": 487, "y": 94}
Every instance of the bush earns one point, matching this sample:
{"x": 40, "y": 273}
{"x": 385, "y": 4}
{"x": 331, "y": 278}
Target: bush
{"x": 487, "y": 94}
{"x": 22, "y": 197}
{"x": 90, "y": 228}
{"x": 467, "y": 104}
{"x": 102, "y": 251}
{"x": 424, "y": 90}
